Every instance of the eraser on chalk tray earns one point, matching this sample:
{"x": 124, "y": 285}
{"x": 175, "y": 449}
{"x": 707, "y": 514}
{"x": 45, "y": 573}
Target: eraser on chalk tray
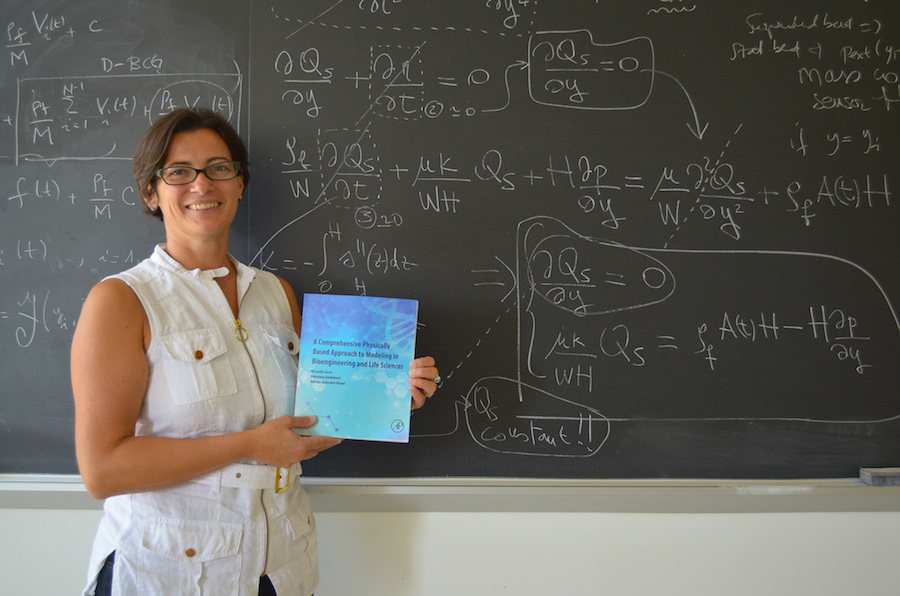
{"x": 880, "y": 476}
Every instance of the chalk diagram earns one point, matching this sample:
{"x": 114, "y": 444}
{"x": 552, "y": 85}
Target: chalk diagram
{"x": 563, "y": 275}
{"x": 561, "y": 298}
{"x": 566, "y": 70}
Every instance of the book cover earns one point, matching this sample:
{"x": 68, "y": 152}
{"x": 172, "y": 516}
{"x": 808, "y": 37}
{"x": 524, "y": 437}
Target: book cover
{"x": 353, "y": 373}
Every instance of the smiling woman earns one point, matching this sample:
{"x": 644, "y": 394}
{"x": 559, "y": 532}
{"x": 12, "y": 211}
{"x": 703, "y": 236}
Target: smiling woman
{"x": 152, "y": 153}
{"x": 197, "y": 208}
{"x": 181, "y": 373}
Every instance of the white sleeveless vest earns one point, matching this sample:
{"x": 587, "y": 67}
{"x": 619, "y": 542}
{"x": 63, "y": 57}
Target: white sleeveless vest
{"x": 217, "y": 534}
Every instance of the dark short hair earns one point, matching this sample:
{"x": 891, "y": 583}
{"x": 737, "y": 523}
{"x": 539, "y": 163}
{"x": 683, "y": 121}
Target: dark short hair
{"x": 151, "y": 151}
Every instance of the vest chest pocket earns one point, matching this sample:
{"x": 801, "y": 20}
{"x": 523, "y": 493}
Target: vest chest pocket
{"x": 199, "y": 369}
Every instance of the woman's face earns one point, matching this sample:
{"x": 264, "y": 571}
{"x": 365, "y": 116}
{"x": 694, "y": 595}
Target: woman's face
{"x": 203, "y": 208}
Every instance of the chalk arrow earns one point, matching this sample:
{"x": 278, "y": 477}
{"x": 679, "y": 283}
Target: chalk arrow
{"x": 696, "y": 129}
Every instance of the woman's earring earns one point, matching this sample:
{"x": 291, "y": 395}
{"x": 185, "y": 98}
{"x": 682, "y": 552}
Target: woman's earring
{"x": 151, "y": 195}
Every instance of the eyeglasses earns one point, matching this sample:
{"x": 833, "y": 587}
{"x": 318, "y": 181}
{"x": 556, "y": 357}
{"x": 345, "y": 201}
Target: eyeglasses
{"x": 175, "y": 175}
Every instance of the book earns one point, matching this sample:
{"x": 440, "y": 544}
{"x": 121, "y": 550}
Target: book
{"x": 353, "y": 372}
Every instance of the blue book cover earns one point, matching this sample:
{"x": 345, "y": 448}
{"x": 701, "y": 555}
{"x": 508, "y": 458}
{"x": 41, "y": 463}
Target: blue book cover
{"x": 353, "y": 373}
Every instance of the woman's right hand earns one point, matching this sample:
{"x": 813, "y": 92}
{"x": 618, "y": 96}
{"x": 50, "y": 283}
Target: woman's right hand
{"x": 276, "y": 444}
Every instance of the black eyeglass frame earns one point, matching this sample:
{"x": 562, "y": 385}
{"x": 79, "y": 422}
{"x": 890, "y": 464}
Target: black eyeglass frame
{"x": 160, "y": 173}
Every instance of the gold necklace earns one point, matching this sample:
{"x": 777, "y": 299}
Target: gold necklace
{"x": 240, "y": 333}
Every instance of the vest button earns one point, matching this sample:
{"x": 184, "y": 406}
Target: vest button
{"x": 190, "y": 552}
{"x": 291, "y": 346}
{"x": 198, "y": 355}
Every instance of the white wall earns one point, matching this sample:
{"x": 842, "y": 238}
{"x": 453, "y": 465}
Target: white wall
{"x": 490, "y": 554}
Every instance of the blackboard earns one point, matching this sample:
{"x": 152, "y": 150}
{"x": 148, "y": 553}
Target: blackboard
{"x": 650, "y": 239}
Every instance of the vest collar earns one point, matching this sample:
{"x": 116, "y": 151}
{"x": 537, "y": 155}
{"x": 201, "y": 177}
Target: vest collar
{"x": 245, "y": 275}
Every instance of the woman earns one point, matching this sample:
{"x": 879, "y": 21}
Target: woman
{"x": 183, "y": 373}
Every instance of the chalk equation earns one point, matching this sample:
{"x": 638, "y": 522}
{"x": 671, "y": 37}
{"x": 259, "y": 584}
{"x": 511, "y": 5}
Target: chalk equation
{"x": 346, "y": 170}
{"x": 92, "y": 118}
{"x": 569, "y": 68}
{"x": 587, "y": 356}
{"x": 656, "y": 270}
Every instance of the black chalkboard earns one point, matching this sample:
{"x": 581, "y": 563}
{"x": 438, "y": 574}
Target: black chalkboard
{"x": 650, "y": 239}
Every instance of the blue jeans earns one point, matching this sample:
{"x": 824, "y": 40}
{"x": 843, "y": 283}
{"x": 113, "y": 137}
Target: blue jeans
{"x": 104, "y": 580}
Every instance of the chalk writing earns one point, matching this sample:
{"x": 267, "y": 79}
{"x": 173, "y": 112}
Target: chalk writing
{"x": 619, "y": 218}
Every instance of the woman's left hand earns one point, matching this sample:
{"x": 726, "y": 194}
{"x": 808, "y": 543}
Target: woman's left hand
{"x": 424, "y": 380}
